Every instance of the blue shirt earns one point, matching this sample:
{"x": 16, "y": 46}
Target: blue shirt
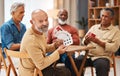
{"x": 10, "y": 34}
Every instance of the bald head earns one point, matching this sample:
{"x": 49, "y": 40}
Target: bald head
{"x": 38, "y": 13}
{"x": 62, "y": 10}
{"x": 39, "y": 20}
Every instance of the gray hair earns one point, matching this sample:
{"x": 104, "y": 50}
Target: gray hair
{"x": 15, "y": 6}
{"x": 109, "y": 10}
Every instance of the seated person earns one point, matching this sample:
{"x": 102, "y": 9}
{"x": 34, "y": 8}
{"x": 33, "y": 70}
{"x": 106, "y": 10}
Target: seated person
{"x": 106, "y": 38}
{"x": 62, "y": 18}
{"x": 34, "y": 43}
{"x": 13, "y": 30}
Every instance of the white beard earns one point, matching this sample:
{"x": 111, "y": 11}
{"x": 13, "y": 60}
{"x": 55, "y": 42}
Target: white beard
{"x": 62, "y": 22}
{"x": 43, "y": 30}
{"x": 38, "y": 29}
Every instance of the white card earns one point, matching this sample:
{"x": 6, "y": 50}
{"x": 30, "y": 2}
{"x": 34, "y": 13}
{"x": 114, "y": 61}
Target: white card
{"x": 65, "y": 36}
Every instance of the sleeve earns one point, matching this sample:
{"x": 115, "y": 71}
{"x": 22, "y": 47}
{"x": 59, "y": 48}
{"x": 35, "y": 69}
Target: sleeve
{"x": 114, "y": 44}
{"x": 50, "y": 48}
{"x": 6, "y": 34}
{"x": 39, "y": 59}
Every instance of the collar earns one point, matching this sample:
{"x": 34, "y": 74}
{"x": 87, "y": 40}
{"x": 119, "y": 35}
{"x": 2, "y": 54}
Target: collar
{"x": 107, "y": 28}
{"x": 11, "y": 21}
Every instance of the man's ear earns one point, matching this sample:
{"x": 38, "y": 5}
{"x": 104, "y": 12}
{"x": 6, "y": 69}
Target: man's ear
{"x": 31, "y": 21}
{"x": 12, "y": 13}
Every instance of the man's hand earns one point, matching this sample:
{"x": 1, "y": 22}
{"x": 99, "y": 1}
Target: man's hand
{"x": 94, "y": 39}
{"x": 58, "y": 42}
{"x": 89, "y": 37}
{"x": 61, "y": 49}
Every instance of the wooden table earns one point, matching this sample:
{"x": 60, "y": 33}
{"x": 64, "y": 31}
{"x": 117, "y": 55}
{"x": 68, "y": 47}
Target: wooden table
{"x": 74, "y": 48}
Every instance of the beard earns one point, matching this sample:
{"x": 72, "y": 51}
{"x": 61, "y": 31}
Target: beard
{"x": 43, "y": 29}
{"x": 62, "y": 22}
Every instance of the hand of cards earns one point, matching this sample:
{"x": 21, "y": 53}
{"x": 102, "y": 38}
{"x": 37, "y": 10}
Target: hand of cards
{"x": 64, "y": 35}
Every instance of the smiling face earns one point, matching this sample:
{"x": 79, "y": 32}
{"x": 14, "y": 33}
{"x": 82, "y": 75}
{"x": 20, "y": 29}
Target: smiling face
{"x": 18, "y": 14}
{"x": 40, "y": 20}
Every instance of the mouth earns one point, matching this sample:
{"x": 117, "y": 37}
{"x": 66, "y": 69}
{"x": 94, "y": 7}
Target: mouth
{"x": 45, "y": 26}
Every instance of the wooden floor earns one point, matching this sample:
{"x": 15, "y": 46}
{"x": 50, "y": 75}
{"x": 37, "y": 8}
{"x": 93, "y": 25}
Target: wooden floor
{"x": 87, "y": 72}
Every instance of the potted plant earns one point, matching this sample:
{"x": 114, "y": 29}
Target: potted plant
{"x": 82, "y": 25}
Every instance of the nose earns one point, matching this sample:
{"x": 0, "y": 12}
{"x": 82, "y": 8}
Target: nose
{"x": 45, "y": 23}
{"x": 63, "y": 16}
{"x": 23, "y": 15}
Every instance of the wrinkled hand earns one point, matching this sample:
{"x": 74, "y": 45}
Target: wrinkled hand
{"x": 58, "y": 42}
{"x": 62, "y": 49}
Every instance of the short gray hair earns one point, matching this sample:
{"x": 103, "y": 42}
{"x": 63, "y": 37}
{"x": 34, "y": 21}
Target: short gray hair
{"x": 108, "y": 9}
{"x": 15, "y": 6}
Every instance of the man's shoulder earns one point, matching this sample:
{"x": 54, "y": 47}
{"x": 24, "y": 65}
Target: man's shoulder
{"x": 72, "y": 27}
{"x": 29, "y": 34}
{"x": 69, "y": 25}
{"x": 5, "y": 24}
{"x": 95, "y": 26}
{"x": 116, "y": 28}
{"x": 8, "y": 23}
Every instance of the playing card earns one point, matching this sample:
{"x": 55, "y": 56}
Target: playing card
{"x": 65, "y": 36}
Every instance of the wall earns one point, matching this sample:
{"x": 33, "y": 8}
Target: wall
{"x": 1, "y": 12}
{"x": 76, "y": 9}
{"x": 30, "y": 5}
{"x": 70, "y": 6}
{"x": 82, "y": 10}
